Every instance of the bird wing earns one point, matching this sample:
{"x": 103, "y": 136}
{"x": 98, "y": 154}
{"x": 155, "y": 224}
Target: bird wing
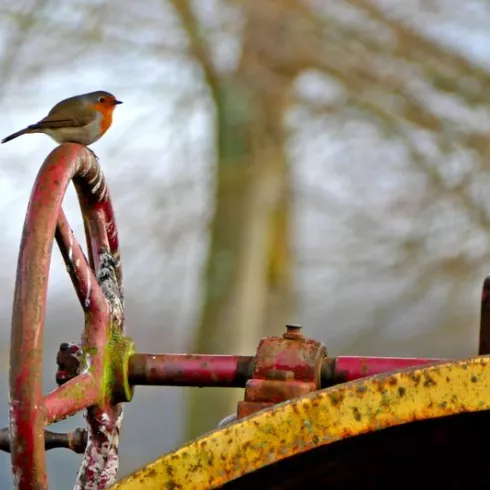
{"x": 67, "y": 115}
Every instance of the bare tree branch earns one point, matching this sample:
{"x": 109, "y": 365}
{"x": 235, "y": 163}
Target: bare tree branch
{"x": 197, "y": 44}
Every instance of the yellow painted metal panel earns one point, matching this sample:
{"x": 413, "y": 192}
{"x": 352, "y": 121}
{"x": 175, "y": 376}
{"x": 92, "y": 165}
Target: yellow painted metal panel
{"x": 316, "y": 420}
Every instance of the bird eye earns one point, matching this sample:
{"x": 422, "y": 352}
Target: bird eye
{"x": 102, "y": 99}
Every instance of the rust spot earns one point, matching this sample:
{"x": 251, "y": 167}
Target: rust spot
{"x": 401, "y": 391}
{"x": 364, "y": 367}
{"x": 357, "y": 414}
{"x": 173, "y": 486}
{"x": 335, "y": 399}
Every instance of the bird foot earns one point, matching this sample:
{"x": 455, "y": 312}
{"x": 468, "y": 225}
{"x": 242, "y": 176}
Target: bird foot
{"x": 93, "y": 153}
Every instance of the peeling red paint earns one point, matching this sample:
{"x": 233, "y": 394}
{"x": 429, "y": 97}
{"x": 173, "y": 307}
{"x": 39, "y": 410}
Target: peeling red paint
{"x": 29, "y": 409}
{"x": 284, "y": 368}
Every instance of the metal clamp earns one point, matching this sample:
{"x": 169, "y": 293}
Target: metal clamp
{"x": 285, "y": 367}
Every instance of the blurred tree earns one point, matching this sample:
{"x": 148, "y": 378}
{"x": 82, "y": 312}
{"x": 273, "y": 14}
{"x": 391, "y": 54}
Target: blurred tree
{"x": 386, "y": 73}
{"x": 248, "y": 286}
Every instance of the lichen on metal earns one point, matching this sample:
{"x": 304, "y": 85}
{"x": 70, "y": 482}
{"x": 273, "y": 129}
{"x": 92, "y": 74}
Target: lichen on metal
{"x": 319, "y": 419}
{"x": 101, "y": 460}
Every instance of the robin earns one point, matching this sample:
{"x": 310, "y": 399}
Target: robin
{"x": 80, "y": 119}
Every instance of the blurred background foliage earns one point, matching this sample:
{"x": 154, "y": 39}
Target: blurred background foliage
{"x": 284, "y": 160}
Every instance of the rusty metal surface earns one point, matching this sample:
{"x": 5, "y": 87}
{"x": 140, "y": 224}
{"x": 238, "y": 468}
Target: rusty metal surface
{"x": 101, "y": 461}
{"x": 190, "y": 370}
{"x": 284, "y": 368}
{"x": 99, "y": 291}
{"x": 202, "y": 370}
{"x": 320, "y": 421}
{"x": 75, "y": 440}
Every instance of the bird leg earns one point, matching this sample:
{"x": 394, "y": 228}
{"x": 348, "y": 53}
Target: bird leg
{"x": 93, "y": 153}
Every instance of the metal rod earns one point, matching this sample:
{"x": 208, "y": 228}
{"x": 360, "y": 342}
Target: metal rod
{"x": 76, "y": 440}
{"x": 70, "y": 398}
{"x": 234, "y": 371}
{"x": 190, "y": 370}
{"x": 218, "y": 371}
{"x": 349, "y": 368}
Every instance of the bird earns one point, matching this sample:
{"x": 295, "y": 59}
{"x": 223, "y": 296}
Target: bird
{"x": 80, "y": 119}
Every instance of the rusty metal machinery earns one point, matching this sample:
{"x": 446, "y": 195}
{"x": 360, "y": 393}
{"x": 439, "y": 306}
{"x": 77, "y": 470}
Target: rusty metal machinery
{"x": 306, "y": 419}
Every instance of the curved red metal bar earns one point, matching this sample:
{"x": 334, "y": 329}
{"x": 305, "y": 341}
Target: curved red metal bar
{"x": 101, "y": 300}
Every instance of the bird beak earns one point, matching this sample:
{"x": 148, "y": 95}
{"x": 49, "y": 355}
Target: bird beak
{"x": 116, "y": 102}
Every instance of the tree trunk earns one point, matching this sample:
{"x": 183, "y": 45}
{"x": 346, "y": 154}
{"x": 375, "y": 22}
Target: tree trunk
{"x": 248, "y": 274}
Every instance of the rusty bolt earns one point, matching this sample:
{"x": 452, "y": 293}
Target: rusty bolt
{"x": 293, "y": 332}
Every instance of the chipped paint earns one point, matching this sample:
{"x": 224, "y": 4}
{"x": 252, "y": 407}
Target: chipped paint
{"x": 101, "y": 462}
{"x": 86, "y": 302}
{"x": 70, "y": 247}
{"x": 284, "y": 368}
{"x": 93, "y": 384}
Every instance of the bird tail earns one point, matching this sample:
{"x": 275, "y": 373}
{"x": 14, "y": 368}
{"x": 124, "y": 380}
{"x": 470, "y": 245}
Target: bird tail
{"x": 17, "y": 134}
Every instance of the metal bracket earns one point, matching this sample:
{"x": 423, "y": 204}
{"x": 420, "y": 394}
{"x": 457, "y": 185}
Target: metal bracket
{"x": 285, "y": 367}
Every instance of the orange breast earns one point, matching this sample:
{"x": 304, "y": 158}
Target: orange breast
{"x": 106, "y": 112}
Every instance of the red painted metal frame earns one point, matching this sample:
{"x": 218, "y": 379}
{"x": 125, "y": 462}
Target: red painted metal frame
{"x": 98, "y": 373}
{"x": 218, "y": 371}
{"x": 224, "y": 371}
{"x": 227, "y": 371}
{"x": 101, "y": 301}
{"x": 190, "y": 370}
{"x": 342, "y": 369}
